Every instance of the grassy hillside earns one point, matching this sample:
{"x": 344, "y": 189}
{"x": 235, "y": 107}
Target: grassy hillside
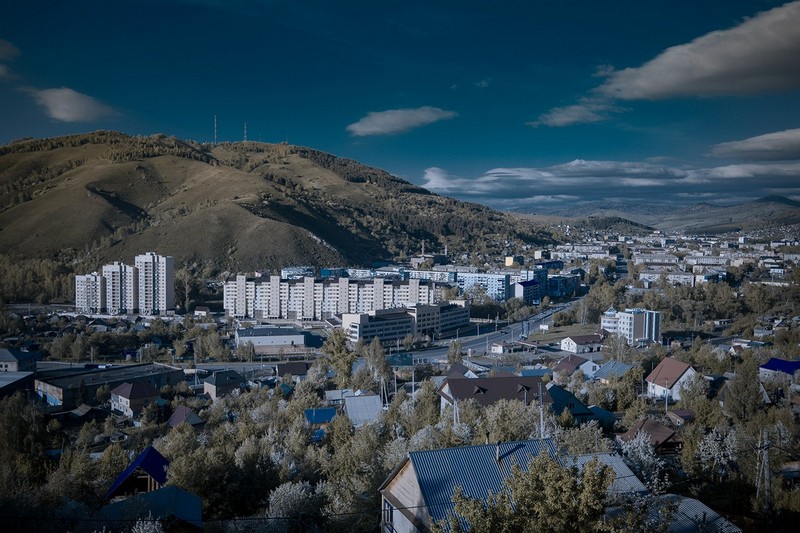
{"x": 107, "y": 196}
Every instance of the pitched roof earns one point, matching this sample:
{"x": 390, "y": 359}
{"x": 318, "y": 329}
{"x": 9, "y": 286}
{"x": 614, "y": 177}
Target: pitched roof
{"x": 473, "y": 468}
{"x": 295, "y": 368}
{"x": 564, "y": 399}
{"x": 320, "y": 416}
{"x": 569, "y": 364}
{"x": 487, "y": 391}
{"x": 612, "y": 369}
{"x": 184, "y": 415}
{"x": 135, "y": 391}
{"x": 166, "y": 502}
{"x": 224, "y": 377}
{"x": 363, "y": 409}
{"x": 781, "y": 365}
{"x": 11, "y": 355}
{"x": 582, "y": 340}
{"x": 668, "y": 372}
{"x": 688, "y": 516}
{"x": 149, "y": 461}
{"x": 658, "y": 432}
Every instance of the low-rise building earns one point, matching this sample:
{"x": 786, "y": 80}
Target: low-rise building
{"x": 668, "y": 378}
{"x": 129, "y": 399}
{"x": 221, "y": 383}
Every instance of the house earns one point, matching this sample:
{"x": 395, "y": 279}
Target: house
{"x": 578, "y": 344}
{"x": 663, "y": 439}
{"x": 572, "y": 363}
{"x": 129, "y": 399}
{"x": 222, "y": 383}
{"x": 487, "y": 391}
{"x": 611, "y": 370}
{"x": 364, "y": 409}
{"x": 318, "y": 420}
{"x": 296, "y": 369}
{"x": 419, "y": 492}
{"x": 563, "y": 399}
{"x": 12, "y": 360}
{"x": 148, "y": 472}
{"x": 689, "y": 515}
{"x": 668, "y": 378}
{"x": 780, "y": 369}
{"x": 184, "y": 415}
{"x": 172, "y": 504}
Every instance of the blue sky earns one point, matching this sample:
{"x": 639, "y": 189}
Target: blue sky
{"x": 517, "y": 105}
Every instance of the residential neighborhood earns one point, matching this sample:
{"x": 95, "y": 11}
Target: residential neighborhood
{"x": 426, "y": 389}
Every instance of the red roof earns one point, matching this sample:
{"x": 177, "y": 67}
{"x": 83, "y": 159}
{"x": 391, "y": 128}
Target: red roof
{"x": 668, "y": 372}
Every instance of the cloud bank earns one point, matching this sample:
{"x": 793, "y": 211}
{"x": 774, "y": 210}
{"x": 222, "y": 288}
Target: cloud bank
{"x": 778, "y": 146}
{"x": 8, "y": 52}
{"x": 760, "y": 55}
{"x": 67, "y": 105}
{"x": 398, "y": 120}
{"x": 515, "y": 188}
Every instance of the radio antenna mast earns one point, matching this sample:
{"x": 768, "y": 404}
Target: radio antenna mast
{"x": 245, "y": 132}
{"x": 215, "y": 130}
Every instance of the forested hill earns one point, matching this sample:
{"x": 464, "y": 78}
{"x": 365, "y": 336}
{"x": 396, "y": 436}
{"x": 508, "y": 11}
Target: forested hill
{"x": 108, "y": 196}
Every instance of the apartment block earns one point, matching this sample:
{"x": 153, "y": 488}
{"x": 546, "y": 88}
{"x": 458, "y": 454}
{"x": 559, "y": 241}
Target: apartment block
{"x": 90, "y": 293}
{"x": 156, "y": 275}
{"x": 122, "y": 288}
{"x": 638, "y": 326}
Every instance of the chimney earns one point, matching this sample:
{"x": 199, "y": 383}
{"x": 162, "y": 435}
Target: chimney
{"x": 487, "y": 437}
{"x": 497, "y": 452}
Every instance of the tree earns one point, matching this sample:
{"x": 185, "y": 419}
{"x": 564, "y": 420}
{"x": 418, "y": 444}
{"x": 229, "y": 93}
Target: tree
{"x": 454, "y": 354}
{"x": 545, "y": 497}
{"x": 339, "y": 357}
{"x": 640, "y": 456}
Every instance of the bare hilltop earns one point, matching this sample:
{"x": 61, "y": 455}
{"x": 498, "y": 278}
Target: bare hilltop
{"x": 227, "y": 207}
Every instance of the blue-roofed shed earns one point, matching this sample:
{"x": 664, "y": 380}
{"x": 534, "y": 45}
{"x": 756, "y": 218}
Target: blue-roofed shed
{"x": 776, "y": 367}
{"x": 321, "y": 415}
{"x": 146, "y": 473}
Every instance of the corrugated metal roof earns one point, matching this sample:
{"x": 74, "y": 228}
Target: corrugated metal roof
{"x": 625, "y": 481}
{"x": 612, "y": 369}
{"x": 473, "y": 468}
{"x": 150, "y": 461}
{"x": 321, "y": 415}
{"x": 363, "y": 409}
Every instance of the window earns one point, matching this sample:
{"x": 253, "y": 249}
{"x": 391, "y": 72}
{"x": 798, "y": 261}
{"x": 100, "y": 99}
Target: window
{"x": 387, "y": 518}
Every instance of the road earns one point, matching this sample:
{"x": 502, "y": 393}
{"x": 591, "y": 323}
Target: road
{"x": 478, "y": 345}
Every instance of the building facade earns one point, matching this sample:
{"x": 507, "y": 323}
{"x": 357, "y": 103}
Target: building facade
{"x": 639, "y": 327}
{"x": 90, "y": 293}
{"x": 122, "y": 288}
{"x": 156, "y": 275}
{"x": 272, "y": 298}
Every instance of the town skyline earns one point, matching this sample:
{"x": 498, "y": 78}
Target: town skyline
{"x": 511, "y": 106}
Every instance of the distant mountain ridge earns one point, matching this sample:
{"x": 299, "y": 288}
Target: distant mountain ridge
{"x": 764, "y": 213}
{"x": 107, "y": 196}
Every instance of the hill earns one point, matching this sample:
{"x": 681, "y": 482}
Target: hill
{"x": 104, "y": 196}
{"x": 762, "y": 214}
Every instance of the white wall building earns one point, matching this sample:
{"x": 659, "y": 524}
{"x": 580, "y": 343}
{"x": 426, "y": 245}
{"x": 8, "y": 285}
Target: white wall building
{"x": 156, "y": 275}
{"x": 497, "y": 286}
{"x": 122, "y": 287}
{"x": 317, "y": 299}
{"x": 637, "y": 326}
{"x": 90, "y": 293}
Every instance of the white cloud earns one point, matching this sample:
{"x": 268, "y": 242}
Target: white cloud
{"x": 511, "y": 188}
{"x": 67, "y": 105}
{"x": 483, "y": 83}
{"x": 759, "y": 55}
{"x": 586, "y": 111}
{"x": 398, "y": 120}
{"x": 780, "y": 145}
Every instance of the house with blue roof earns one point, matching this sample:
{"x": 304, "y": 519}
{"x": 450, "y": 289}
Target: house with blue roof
{"x": 778, "y": 369}
{"x": 419, "y": 492}
{"x": 611, "y": 370}
{"x": 148, "y": 472}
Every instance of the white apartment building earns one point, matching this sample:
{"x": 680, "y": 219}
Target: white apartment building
{"x": 496, "y": 285}
{"x": 90, "y": 293}
{"x": 317, "y": 299}
{"x": 638, "y": 326}
{"x": 122, "y": 287}
{"x": 156, "y": 278}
